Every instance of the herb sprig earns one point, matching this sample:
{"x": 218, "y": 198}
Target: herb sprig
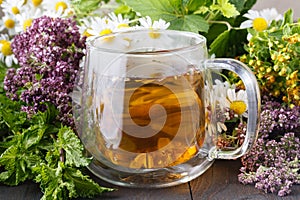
{"x": 43, "y": 150}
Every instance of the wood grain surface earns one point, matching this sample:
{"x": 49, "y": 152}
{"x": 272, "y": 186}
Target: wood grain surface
{"x": 218, "y": 183}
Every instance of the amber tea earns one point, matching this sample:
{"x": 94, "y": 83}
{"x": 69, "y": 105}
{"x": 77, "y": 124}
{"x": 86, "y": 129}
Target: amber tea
{"x": 159, "y": 122}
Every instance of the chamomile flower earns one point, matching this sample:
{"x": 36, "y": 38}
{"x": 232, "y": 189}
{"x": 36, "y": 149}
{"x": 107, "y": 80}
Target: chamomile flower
{"x": 13, "y": 7}
{"x": 8, "y": 22}
{"x": 119, "y": 22}
{"x": 146, "y": 22}
{"x": 57, "y": 6}
{"x": 6, "y": 54}
{"x": 237, "y": 101}
{"x": 25, "y": 18}
{"x": 84, "y": 25}
{"x": 37, "y": 3}
{"x": 101, "y": 26}
{"x": 260, "y": 21}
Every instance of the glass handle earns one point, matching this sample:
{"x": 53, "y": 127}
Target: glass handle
{"x": 253, "y": 95}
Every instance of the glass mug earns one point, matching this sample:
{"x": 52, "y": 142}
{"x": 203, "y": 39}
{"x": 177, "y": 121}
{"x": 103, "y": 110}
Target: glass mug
{"x": 142, "y": 112}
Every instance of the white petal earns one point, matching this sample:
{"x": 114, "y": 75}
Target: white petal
{"x": 246, "y": 24}
{"x": 252, "y": 14}
{"x": 249, "y": 36}
{"x": 231, "y": 94}
{"x": 241, "y": 95}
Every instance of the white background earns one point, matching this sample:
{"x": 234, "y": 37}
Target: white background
{"x": 280, "y": 5}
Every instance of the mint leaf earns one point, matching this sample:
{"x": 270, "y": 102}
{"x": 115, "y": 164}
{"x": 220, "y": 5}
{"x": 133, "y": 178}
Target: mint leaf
{"x": 63, "y": 182}
{"x": 51, "y": 181}
{"x": 17, "y": 164}
{"x": 82, "y": 184}
{"x": 70, "y": 143}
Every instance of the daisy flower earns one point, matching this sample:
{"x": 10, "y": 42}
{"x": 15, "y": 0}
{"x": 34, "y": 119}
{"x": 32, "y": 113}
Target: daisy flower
{"x": 25, "y": 18}
{"x": 37, "y": 4}
{"x": 101, "y": 26}
{"x": 57, "y": 6}
{"x": 237, "y": 102}
{"x": 146, "y": 22}
{"x": 8, "y": 22}
{"x": 84, "y": 25}
{"x": 260, "y": 21}
{"x": 119, "y": 22}
{"x": 13, "y": 7}
{"x": 6, "y": 54}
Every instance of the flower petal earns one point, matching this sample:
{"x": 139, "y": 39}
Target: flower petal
{"x": 246, "y": 24}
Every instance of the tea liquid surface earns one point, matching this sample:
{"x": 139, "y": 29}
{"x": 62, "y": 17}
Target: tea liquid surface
{"x": 156, "y": 122}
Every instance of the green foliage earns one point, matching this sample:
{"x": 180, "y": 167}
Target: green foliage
{"x": 84, "y": 8}
{"x": 214, "y": 19}
{"x": 274, "y": 57}
{"x": 39, "y": 148}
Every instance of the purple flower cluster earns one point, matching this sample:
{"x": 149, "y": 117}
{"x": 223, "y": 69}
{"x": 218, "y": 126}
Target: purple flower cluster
{"x": 272, "y": 164}
{"x": 49, "y": 53}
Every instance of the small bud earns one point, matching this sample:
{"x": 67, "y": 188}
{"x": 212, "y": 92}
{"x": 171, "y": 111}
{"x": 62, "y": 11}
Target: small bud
{"x": 261, "y": 69}
{"x": 251, "y": 62}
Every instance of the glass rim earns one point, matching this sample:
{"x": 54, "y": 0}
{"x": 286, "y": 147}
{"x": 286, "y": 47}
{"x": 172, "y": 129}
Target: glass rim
{"x": 201, "y": 40}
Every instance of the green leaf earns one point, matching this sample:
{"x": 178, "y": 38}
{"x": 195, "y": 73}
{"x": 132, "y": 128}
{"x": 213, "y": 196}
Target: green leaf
{"x": 70, "y": 143}
{"x": 62, "y": 182}
{"x": 193, "y": 23}
{"x": 51, "y": 181}
{"x": 227, "y": 9}
{"x": 219, "y": 45}
{"x": 193, "y": 5}
{"x": 288, "y": 17}
{"x": 17, "y": 164}
{"x": 243, "y": 5}
{"x": 86, "y": 5}
{"x": 82, "y": 184}
{"x": 168, "y": 10}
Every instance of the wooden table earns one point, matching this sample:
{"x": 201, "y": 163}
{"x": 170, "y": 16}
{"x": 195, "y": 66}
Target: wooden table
{"x": 218, "y": 183}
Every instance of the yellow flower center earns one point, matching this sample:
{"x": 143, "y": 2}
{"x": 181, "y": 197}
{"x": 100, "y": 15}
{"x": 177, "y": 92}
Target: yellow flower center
{"x": 1, "y": 2}
{"x": 105, "y": 32}
{"x": 36, "y": 3}
{"x": 27, "y": 23}
{"x": 15, "y": 10}
{"x": 123, "y": 26}
{"x": 260, "y": 24}
{"x": 86, "y": 33}
{"x": 61, "y": 4}
{"x": 238, "y": 107}
{"x": 6, "y": 49}
{"x": 9, "y": 23}
{"x": 153, "y": 34}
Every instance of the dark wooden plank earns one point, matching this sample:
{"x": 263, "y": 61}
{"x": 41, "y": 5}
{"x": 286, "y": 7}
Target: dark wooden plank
{"x": 26, "y": 191}
{"x": 31, "y": 191}
{"x": 180, "y": 192}
{"x": 220, "y": 183}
